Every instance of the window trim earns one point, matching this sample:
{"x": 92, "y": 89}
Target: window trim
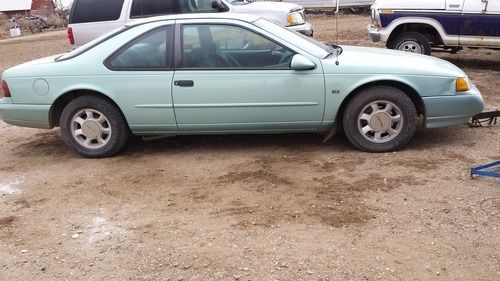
{"x": 169, "y": 28}
{"x": 179, "y": 48}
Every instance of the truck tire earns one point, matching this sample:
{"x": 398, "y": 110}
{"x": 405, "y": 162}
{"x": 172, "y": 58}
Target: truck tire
{"x": 413, "y": 42}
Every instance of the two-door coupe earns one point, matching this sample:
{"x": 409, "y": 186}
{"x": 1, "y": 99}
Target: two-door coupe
{"x": 215, "y": 73}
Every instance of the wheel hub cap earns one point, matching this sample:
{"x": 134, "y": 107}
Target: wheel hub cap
{"x": 91, "y": 129}
{"x": 380, "y": 122}
{"x": 410, "y": 47}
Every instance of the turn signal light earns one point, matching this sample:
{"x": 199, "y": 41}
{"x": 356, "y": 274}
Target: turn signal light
{"x": 462, "y": 84}
{"x": 5, "y": 90}
{"x": 295, "y": 18}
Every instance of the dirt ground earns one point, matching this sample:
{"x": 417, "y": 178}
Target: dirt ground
{"x": 267, "y": 207}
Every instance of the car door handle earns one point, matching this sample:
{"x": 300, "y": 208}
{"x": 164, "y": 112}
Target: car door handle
{"x": 184, "y": 83}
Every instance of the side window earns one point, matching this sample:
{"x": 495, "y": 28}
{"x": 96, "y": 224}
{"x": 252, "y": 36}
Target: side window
{"x": 227, "y": 46}
{"x": 150, "y": 51}
{"x": 146, "y": 8}
{"x": 196, "y": 6}
{"x": 96, "y": 10}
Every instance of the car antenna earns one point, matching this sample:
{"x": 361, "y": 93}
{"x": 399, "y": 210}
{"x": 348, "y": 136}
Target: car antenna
{"x": 337, "y": 22}
{"x": 337, "y": 31}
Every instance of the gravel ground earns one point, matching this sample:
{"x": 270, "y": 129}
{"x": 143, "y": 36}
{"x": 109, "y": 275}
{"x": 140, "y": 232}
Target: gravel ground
{"x": 268, "y": 207}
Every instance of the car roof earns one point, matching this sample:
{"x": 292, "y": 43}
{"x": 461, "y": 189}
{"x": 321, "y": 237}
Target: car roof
{"x": 242, "y": 17}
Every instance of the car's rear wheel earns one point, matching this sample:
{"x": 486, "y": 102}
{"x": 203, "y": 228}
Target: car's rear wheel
{"x": 94, "y": 127}
{"x": 380, "y": 119}
{"x": 412, "y": 42}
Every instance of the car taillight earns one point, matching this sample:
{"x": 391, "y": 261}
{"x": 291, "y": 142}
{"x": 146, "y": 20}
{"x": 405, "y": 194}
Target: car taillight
{"x": 5, "y": 90}
{"x": 71, "y": 38}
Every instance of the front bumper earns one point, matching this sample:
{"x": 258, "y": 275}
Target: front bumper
{"x": 374, "y": 33}
{"x": 445, "y": 111}
{"x": 305, "y": 29}
{"x": 24, "y": 115}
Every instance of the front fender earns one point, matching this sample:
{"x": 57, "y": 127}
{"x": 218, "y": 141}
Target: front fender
{"x": 339, "y": 88}
{"x": 386, "y": 32}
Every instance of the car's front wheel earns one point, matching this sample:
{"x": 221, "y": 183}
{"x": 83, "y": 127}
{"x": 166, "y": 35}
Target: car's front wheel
{"x": 93, "y": 127}
{"x": 380, "y": 119}
{"x": 412, "y": 42}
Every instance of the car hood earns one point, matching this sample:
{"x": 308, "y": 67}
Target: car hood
{"x": 362, "y": 60}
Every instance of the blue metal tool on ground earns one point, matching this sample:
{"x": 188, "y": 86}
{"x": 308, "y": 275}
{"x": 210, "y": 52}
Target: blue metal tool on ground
{"x": 488, "y": 170}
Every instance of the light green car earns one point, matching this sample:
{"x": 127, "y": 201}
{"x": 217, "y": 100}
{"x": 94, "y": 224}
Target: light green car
{"x": 238, "y": 74}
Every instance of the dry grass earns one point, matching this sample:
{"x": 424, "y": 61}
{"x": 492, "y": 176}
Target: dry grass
{"x": 5, "y": 25}
{"x": 55, "y": 21}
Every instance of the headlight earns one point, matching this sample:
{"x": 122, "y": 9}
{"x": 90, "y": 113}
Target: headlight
{"x": 462, "y": 84}
{"x": 295, "y": 18}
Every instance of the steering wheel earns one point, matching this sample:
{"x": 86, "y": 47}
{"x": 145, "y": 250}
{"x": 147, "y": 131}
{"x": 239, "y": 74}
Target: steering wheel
{"x": 286, "y": 58}
{"x": 246, "y": 44}
{"x": 275, "y": 48}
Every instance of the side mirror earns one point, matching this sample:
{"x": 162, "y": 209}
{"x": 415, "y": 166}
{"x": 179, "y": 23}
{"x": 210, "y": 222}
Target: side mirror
{"x": 217, "y": 5}
{"x": 299, "y": 62}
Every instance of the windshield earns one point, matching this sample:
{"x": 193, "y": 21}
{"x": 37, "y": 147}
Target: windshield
{"x": 82, "y": 49}
{"x": 314, "y": 47}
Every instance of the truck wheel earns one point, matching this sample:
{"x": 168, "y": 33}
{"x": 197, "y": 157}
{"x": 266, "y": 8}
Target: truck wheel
{"x": 413, "y": 42}
{"x": 94, "y": 127}
{"x": 380, "y": 119}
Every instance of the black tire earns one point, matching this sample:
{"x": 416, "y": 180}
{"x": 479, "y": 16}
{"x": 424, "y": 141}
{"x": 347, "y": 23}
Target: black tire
{"x": 115, "y": 122}
{"x": 411, "y": 42}
{"x": 354, "y": 123}
{"x": 358, "y": 10}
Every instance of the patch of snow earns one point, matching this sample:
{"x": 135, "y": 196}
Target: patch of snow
{"x": 10, "y": 188}
{"x": 102, "y": 230}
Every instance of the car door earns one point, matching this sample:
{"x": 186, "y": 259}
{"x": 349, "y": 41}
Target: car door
{"x": 480, "y": 23}
{"x": 142, "y": 73}
{"x": 230, "y": 78}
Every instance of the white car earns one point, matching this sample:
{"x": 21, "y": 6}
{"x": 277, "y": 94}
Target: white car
{"x": 91, "y": 18}
{"x": 418, "y": 26}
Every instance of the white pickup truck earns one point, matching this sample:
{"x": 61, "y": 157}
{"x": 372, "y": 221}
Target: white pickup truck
{"x": 418, "y": 26}
{"x": 91, "y": 18}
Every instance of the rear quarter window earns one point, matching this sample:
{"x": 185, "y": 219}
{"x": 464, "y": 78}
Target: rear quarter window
{"x": 146, "y": 8}
{"x": 95, "y": 10}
